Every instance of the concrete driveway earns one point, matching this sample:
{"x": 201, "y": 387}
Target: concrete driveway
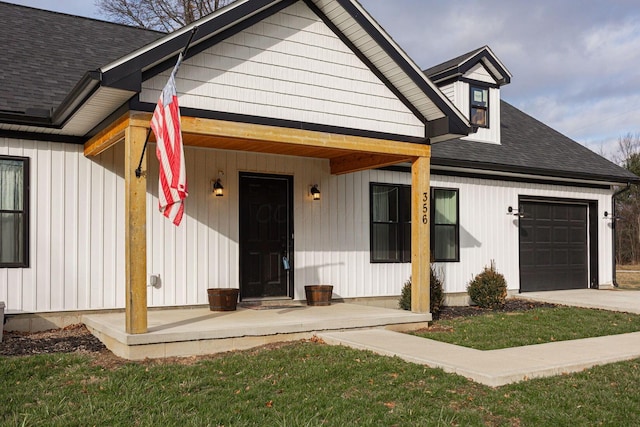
{"x": 605, "y": 299}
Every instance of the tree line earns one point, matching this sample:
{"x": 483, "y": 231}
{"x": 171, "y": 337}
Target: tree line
{"x": 627, "y": 220}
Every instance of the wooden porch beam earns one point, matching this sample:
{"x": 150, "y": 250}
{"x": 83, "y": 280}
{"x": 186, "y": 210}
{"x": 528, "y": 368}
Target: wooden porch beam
{"x": 420, "y": 230}
{"x": 107, "y": 137}
{"x": 300, "y": 137}
{"x": 363, "y": 161}
{"x": 135, "y": 232}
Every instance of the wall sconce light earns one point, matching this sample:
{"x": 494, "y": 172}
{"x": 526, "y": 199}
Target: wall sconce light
{"x": 514, "y": 212}
{"x": 610, "y": 217}
{"x": 216, "y": 186}
{"x": 315, "y": 193}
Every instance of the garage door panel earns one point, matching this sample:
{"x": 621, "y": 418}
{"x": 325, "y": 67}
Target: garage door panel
{"x": 553, "y": 246}
{"x": 561, "y": 235}
{"x": 561, "y": 213}
{"x": 542, "y": 257}
{"x": 577, "y": 236}
{"x": 542, "y": 234}
{"x": 561, "y": 257}
{"x": 577, "y": 258}
{"x": 578, "y": 214}
{"x": 542, "y": 213}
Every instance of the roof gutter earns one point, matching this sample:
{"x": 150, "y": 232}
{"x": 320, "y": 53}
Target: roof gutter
{"x": 613, "y": 230}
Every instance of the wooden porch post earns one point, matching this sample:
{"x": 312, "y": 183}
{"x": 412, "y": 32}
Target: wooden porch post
{"x": 135, "y": 211}
{"x": 420, "y": 228}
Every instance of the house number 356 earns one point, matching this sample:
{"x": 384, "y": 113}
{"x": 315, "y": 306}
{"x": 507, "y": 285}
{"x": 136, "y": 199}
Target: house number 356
{"x": 425, "y": 208}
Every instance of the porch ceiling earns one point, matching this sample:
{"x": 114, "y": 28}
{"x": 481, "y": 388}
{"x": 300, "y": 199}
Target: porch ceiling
{"x": 345, "y": 153}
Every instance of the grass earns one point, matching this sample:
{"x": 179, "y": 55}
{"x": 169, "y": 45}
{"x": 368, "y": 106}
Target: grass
{"x": 628, "y": 277}
{"x": 540, "y": 325}
{"x": 302, "y": 384}
{"x": 311, "y": 384}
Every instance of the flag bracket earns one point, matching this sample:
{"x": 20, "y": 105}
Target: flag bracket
{"x": 139, "y": 172}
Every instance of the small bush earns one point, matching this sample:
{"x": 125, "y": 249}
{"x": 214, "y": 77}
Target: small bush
{"x": 405, "y": 297}
{"x": 436, "y": 293}
{"x": 488, "y": 289}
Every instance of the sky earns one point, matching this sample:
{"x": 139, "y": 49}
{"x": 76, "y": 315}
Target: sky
{"x": 575, "y": 63}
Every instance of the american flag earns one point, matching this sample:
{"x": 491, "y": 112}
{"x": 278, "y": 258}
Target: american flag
{"x": 172, "y": 184}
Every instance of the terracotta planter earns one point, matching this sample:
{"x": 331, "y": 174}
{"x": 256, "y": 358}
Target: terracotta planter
{"x": 223, "y": 299}
{"x": 318, "y": 294}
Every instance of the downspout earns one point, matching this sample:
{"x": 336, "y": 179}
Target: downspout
{"x": 613, "y": 229}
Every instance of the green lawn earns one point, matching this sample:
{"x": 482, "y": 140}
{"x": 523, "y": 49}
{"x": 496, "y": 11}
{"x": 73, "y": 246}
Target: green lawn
{"x": 540, "y": 325}
{"x": 303, "y": 384}
{"x": 628, "y": 277}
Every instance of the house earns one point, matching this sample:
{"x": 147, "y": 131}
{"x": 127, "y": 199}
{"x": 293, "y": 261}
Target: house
{"x": 279, "y": 99}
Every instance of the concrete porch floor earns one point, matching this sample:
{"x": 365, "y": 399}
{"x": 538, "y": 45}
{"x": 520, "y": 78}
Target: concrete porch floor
{"x": 199, "y": 331}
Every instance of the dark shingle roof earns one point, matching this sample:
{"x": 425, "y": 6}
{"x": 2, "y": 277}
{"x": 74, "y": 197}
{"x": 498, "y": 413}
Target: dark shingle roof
{"x": 529, "y": 146}
{"x": 44, "y": 54}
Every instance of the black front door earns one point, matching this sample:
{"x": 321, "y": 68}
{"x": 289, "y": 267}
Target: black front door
{"x": 266, "y": 236}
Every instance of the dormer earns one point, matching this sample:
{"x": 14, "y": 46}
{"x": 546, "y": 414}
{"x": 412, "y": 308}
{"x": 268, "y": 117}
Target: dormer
{"x": 472, "y": 82}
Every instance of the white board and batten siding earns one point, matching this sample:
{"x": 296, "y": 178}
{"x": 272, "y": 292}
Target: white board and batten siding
{"x": 488, "y": 233}
{"x": 76, "y": 238}
{"x": 289, "y": 66}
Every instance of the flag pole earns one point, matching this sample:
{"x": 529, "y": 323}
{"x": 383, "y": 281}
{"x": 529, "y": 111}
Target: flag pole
{"x": 146, "y": 141}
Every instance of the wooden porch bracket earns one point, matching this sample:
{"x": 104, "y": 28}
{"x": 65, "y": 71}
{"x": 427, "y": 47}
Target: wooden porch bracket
{"x": 420, "y": 233}
{"x": 107, "y": 138}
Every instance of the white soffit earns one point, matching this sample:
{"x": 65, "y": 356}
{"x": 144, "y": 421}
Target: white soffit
{"x": 92, "y": 111}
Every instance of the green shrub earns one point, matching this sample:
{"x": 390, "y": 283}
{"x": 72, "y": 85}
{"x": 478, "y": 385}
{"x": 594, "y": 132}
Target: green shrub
{"x": 405, "y": 296}
{"x": 436, "y": 293}
{"x": 488, "y": 289}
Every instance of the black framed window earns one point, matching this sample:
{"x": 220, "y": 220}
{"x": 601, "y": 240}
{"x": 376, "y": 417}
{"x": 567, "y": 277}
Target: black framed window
{"x": 14, "y": 212}
{"x": 390, "y": 223}
{"x": 479, "y": 106}
{"x": 445, "y": 225}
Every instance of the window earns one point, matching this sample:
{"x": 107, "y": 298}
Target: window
{"x": 390, "y": 223}
{"x": 14, "y": 176}
{"x": 445, "y": 229}
{"x": 479, "y": 111}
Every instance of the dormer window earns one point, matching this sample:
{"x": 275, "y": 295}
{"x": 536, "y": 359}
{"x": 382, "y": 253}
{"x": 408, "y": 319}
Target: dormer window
{"x": 479, "y": 108}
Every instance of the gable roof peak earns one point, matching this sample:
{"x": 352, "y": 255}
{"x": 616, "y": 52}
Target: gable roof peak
{"x": 458, "y": 66}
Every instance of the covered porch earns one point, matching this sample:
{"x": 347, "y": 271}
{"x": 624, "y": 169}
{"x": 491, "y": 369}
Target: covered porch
{"x": 199, "y": 331}
{"x": 345, "y": 154}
